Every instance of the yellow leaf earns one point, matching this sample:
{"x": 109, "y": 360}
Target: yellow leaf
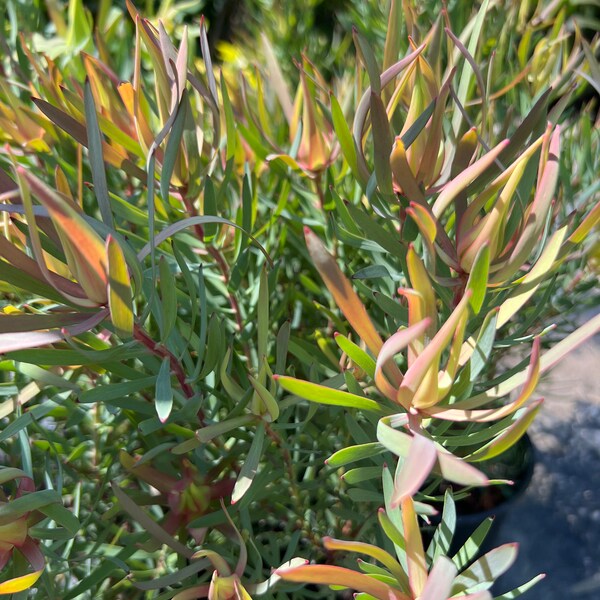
{"x": 19, "y": 584}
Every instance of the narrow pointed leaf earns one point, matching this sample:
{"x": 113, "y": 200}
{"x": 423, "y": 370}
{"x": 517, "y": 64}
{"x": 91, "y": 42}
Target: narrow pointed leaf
{"x": 444, "y": 532}
{"x": 439, "y": 582}
{"x": 509, "y": 437}
{"x": 415, "y": 469}
{"x": 400, "y": 340}
{"x": 485, "y": 570}
{"x": 344, "y": 135}
{"x": 478, "y": 278}
{"x": 417, "y": 565}
{"x": 354, "y": 453}
{"x": 519, "y": 591}
{"x": 83, "y": 243}
{"x": 330, "y": 575}
{"x": 120, "y": 299}
{"x": 149, "y": 525}
{"x": 19, "y": 584}
{"x": 356, "y": 354}
{"x": 528, "y": 285}
{"x": 96, "y": 156}
{"x": 267, "y": 399}
{"x": 250, "y": 466}
{"x": 342, "y": 292}
{"x": 164, "y": 392}
{"x": 465, "y": 178}
{"x": 471, "y": 547}
{"x": 386, "y": 559}
{"x": 417, "y": 371}
{"x": 325, "y": 395}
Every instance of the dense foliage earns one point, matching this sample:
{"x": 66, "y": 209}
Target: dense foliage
{"x": 279, "y": 293}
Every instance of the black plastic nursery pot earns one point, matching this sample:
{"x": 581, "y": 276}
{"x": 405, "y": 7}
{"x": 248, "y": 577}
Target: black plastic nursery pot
{"x": 496, "y": 501}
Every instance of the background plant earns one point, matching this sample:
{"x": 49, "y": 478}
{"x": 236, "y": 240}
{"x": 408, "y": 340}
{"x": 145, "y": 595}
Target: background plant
{"x": 158, "y": 291}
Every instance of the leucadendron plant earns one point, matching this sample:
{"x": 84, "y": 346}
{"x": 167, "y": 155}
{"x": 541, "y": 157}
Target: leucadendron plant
{"x": 246, "y": 331}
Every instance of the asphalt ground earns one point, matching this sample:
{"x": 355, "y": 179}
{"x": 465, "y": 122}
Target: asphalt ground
{"x": 557, "y": 521}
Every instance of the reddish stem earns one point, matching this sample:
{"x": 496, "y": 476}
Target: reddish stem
{"x": 163, "y": 352}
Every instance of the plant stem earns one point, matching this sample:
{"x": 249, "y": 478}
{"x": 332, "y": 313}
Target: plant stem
{"x": 225, "y": 273}
{"x": 142, "y": 336}
{"x": 295, "y": 492}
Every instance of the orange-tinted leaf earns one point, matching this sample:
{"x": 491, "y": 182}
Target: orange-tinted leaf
{"x": 330, "y": 575}
{"x": 386, "y": 559}
{"x": 80, "y": 241}
{"x": 415, "y": 556}
{"x": 342, "y": 292}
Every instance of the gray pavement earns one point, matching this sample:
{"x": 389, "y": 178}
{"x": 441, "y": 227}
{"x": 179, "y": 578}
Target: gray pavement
{"x": 557, "y": 521}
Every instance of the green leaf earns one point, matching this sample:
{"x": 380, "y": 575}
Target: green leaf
{"x": 386, "y": 559}
{"x": 393, "y": 36}
{"x": 415, "y": 129}
{"x": 174, "y": 578}
{"x": 471, "y": 547}
{"x": 53, "y": 357}
{"x": 484, "y": 345}
{"x": 283, "y": 338}
{"x": 113, "y": 391}
{"x": 367, "y": 57}
{"x": 163, "y": 399}
{"x": 229, "y": 121}
{"x": 466, "y": 74}
{"x": 372, "y": 272}
{"x": 206, "y": 434}
{"x": 62, "y": 516}
{"x": 250, "y": 466}
{"x": 262, "y": 322}
{"x": 485, "y": 570}
{"x": 510, "y": 436}
{"x": 96, "y": 156}
{"x": 444, "y": 532}
{"x": 356, "y": 354}
{"x": 79, "y": 34}
{"x": 528, "y": 285}
{"x": 354, "y": 453}
{"x": 325, "y": 395}
{"x": 478, "y": 278}
{"x": 148, "y": 524}
{"x": 266, "y": 398}
{"x": 344, "y": 135}
{"x": 519, "y": 591}
{"x": 168, "y": 296}
{"x": 360, "y": 474}
{"x": 10, "y": 511}
{"x": 182, "y": 224}
{"x": 382, "y": 142}
{"x": 213, "y": 346}
{"x": 173, "y": 149}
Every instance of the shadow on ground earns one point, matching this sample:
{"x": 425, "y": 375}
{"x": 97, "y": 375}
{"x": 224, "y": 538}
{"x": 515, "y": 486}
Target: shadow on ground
{"x": 557, "y": 521}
